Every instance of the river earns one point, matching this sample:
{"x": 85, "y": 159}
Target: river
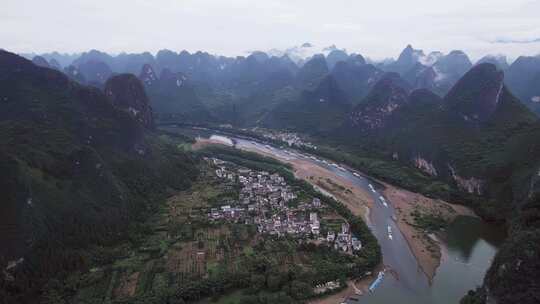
{"x": 468, "y": 245}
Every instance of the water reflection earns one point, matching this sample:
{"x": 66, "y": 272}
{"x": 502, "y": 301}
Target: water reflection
{"x": 468, "y": 246}
{"x": 465, "y": 232}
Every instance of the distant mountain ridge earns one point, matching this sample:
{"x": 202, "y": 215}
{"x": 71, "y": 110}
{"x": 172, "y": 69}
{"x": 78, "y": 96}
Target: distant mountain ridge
{"x": 243, "y": 89}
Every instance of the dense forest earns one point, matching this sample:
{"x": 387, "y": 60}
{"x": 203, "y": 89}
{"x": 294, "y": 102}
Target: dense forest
{"x": 76, "y": 173}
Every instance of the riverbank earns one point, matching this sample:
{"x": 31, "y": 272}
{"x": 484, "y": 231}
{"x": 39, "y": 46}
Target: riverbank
{"x": 425, "y": 247}
{"x": 203, "y": 142}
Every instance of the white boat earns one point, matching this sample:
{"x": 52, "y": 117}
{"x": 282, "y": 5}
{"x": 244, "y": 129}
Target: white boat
{"x": 377, "y": 281}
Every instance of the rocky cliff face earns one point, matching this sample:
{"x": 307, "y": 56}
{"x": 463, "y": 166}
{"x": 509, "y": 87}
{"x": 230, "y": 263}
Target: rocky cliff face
{"x": 425, "y": 165}
{"x": 127, "y": 93}
{"x": 470, "y": 185}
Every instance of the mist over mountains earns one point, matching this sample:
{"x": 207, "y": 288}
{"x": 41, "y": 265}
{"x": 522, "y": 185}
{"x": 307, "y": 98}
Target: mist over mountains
{"x": 246, "y": 89}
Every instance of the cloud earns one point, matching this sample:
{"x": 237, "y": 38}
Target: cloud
{"x": 340, "y": 27}
{"x": 520, "y": 41}
{"x": 378, "y": 29}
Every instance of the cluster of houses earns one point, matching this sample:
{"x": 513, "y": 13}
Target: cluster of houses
{"x": 292, "y": 139}
{"x": 326, "y": 287}
{"x": 265, "y": 200}
{"x": 344, "y": 240}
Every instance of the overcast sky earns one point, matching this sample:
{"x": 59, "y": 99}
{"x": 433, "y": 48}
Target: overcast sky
{"x": 377, "y": 29}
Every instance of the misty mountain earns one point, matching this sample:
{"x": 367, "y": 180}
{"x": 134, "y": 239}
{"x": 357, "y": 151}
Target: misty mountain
{"x": 407, "y": 59}
{"x": 334, "y": 57}
{"x": 252, "y": 86}
{"x": 173, "y": 97}
{"x": 523, "y": 79}
{"x": 470, "y": 138}
{"x": 312, "y": 72}
{"x": 499, "y": 61}
{"x": 95, "y": 72}
{"x": 389, "y": 93}
{"x": 315, "y": 111}
{"x": 355, "y": 77}
{"x": 40, "y": 61}
{"x": 126, "y": 93}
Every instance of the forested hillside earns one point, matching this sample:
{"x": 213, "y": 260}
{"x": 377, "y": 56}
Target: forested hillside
{"x": 76, "y": 173}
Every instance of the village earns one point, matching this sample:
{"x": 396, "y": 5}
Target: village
{"x": 290, "y": 138}
{"x": 267, "y": 201}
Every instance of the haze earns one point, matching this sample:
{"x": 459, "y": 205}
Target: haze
{"x": 377, "y": 29}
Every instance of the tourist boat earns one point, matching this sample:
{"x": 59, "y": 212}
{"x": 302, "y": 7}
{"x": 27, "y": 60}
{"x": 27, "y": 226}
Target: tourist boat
{"x": 383, "y": 201}
{"x": 377, "y": 281}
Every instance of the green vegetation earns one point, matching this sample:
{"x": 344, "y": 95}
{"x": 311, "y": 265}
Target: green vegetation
{"x": 428, "y": 221}
{"x": 176, "y": 255}
{"x": 370, "y": 253}
{"x": 77, "y": 175}
{"x": 513, "y": 276}
{"x": 393, "y": 172}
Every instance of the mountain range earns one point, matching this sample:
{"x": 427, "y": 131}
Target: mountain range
{"x": 243, "y": 90}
